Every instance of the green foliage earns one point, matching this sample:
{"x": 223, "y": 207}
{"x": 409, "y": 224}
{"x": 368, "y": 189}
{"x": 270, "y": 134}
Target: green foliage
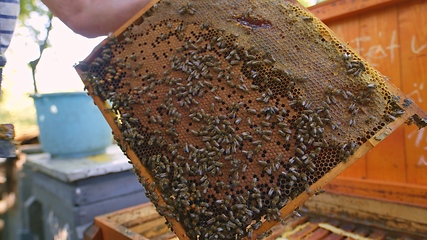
{"x": 29, "y": 7}
{"x": 32, "y": 9}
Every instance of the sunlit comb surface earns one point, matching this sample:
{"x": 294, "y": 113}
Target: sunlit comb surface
{"x": 235, "y": 108}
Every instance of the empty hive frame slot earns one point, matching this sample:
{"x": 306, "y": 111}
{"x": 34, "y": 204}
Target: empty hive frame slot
{"x": 233, "y": 113}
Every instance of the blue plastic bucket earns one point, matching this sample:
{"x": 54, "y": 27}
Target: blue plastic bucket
{"x": 71, "y": 125}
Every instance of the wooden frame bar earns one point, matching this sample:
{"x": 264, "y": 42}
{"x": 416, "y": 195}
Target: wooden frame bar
{"x": 337, "y": 9}
{"x": 378, "y": 213}
{"x": 179, "y": 230}
{"x": 385, "y": 191}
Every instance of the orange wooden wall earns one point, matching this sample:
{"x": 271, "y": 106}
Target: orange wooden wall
{"x": 392, "y": 36}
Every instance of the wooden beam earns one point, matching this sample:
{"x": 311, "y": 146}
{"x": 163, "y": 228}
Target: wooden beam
{"x": 385, "y": 191}
{"x": 382, "y": 214}
{"x": 339, "y": 9}
{"x": 94, "y": 232}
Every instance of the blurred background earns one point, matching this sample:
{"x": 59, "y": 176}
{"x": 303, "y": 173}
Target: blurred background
{"x": 55, "y": 72}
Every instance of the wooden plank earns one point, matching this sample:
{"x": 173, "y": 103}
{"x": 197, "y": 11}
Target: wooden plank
{"x": 333, "y": 236}
{"x": 112, "y": 231}
{"x": 386, "y": 162}
{"x": 107, "y": 186}
{"x": 296, "y": 222}
{"x": 318, "y": 234}
{"x": 341, "y": 233}
{"x": 111, "y": 223}
{"x": 338, "y": 9}
{"x": 138, "y": 222}
{"x": 131, "y": 213}
{"x": 166, "y": 236}
{"x": 94, "y": 232}
{"x": 290, "y": 226}
{"x": 85, "y": 214}
{"x": 348, "y": 30}
{"x": 397, "y": 192}
{"x": 412, "y": 21}
{"x": 303, "y": 232}
{"x": 348, "y": 227}
{"x": 362, "y": 231}
{"x": 357, "y": 170}
{"x": 142, "y": 220}
{"x": 65, "y": 192}
{"x": 153, "y": 228}
{"x": 381, "y": 214}
{"x": 377, "y": 235}
{"x": 378, "y": 44}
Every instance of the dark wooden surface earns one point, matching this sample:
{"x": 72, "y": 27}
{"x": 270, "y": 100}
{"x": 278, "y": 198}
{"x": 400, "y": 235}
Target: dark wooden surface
{"x": 91, "y": 190}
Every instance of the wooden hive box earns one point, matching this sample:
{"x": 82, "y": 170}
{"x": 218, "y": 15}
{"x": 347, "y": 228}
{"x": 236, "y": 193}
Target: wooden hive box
{"x": 142, "y": 222}
{"x": 139, "y": 222}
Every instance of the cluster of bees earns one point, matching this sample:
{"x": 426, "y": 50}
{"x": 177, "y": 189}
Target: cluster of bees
{"x": 228, "y": 134}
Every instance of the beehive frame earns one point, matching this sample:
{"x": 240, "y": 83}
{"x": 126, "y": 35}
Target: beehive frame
{"x": 233, "y": 116}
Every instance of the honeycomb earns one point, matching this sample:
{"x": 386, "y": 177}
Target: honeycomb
{"x": 232, "y": 111}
